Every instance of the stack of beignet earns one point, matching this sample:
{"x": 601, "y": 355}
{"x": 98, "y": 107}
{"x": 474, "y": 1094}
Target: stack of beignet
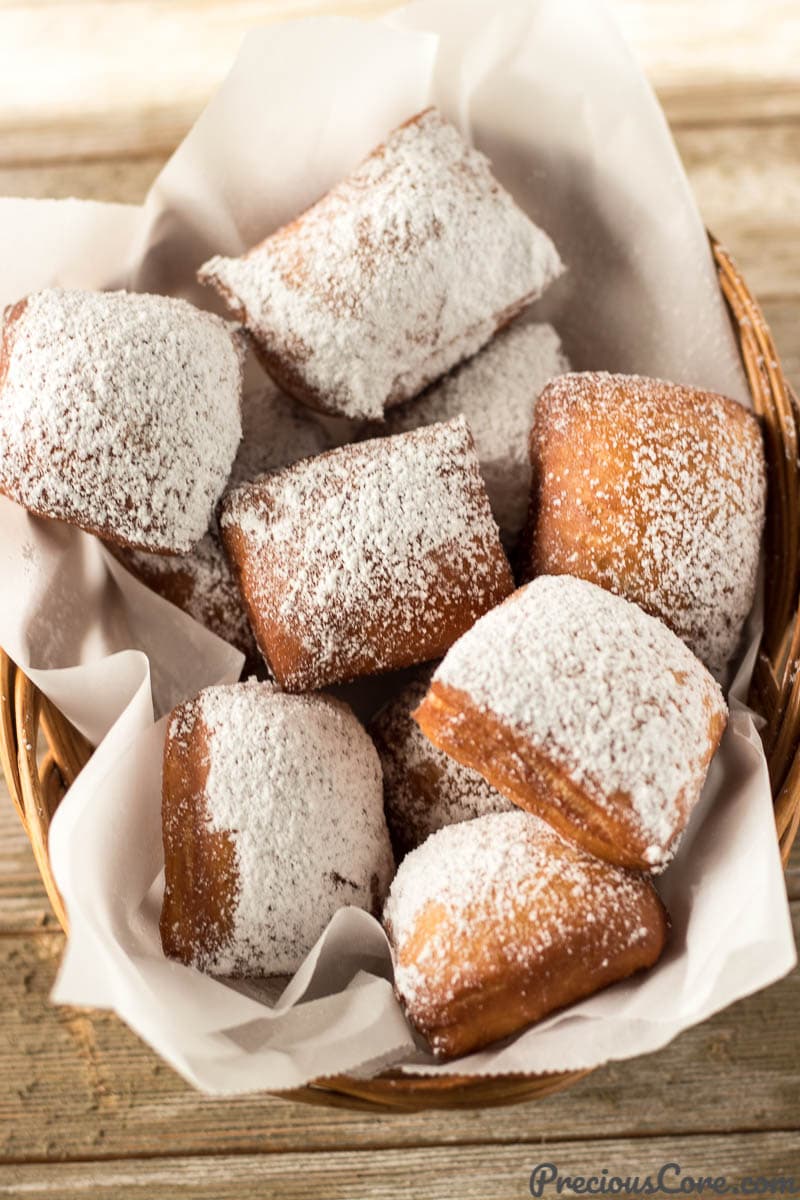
{"x": 533, "y": 783}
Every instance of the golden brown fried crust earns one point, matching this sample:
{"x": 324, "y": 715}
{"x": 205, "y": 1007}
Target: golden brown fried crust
{"x": 201, "y": 878}
{"x": 499, "y": 985}
{"x": 509, "y": 762}
{"x": 287, "y": 655}
{"x": 606, "y": 507}
{"x": 366, "y": 642}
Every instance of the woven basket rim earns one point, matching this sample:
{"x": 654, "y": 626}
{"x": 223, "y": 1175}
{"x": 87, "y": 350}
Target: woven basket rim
{"x": 38, "y": 786}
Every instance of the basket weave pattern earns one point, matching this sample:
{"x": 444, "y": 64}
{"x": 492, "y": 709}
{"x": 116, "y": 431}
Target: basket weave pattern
{"x": 37, "y": 785}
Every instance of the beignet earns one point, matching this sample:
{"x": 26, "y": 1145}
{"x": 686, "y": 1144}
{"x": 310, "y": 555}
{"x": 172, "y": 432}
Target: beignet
{"x": 367, "y": 558}
{"x": 401, "y": 271}
{"x": 424, "y": 789}
{"x": 272, "y": 820}
{"x": 499, "y": 921}
{"x": 582, "y": 709}
{"x": 496, "y": 391}
{"x": 276, "y": 432}
{"x": 119, "y": 413}
{"x": 656, "y": 492}
{"x": 201, "y": 584}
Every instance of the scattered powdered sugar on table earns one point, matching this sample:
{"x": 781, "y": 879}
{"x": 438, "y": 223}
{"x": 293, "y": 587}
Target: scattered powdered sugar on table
{"x": 496, "y": 391}
{"x": 489, "y": 875}
{"x": 297, "y": 782}
{"x": 401, "y": 271}
{"x": 120, "y": 413}
{"x": 605, "y": 691}
{"x": 424, "y": 789}
{"x": 362, "y": 536}
{"x": 658, "y": 494}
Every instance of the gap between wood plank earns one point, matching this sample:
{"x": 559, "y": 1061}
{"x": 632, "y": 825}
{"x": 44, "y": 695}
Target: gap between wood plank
{"x": 436, "y": 1174}
{"x": 110, "y": 1096}
{"x": 392, "y": 1147}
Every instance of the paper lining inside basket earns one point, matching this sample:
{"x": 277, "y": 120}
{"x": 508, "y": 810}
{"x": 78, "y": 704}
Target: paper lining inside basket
{"x": 550, "y": 92}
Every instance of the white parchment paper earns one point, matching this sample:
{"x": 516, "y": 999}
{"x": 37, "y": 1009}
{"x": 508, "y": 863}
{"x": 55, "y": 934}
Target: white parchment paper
{"x": 549, "y": 91}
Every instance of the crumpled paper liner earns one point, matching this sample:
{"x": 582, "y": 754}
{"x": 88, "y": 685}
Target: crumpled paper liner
{"x": 550, "y": 92}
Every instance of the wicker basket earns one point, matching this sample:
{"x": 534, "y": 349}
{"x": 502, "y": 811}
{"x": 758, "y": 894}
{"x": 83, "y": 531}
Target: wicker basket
{"x": 38, "y": 785}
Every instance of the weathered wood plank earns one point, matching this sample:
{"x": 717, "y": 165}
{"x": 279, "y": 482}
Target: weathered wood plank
{"x": 122, "y": 180}
{"x": 24, "y": 906}
{"x": 747, "y": 184}
{"x": 80, "y": 1085}
{"x": 477, "y": 1172}
{"x": 793, "y": 873}
{"x": 717, "y": 61}
{"x": 138, "y": 73}
{"x": 784, "y": 320}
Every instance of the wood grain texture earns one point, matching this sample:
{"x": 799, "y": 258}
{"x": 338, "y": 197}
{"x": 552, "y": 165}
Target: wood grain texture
{"x": 784, "y": 321}
{"x": 91, "y": 1110}
{"x": 747, "y": 184}
{"x": 441, "y": 1174}
{"x": 76, "y": 81}
{"x": 79, "y": 1085}
{"x": 123, "y": 181}
{"x": 24, "y": 907}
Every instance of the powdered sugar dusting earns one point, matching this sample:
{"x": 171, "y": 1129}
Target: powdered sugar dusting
{"x": 357, "y": 543}
{"x": 496, "y": 391}
{"x": 488, "y": 874}
{"x": 296, "y": 781}
{"x": 400, "y": 272}
{"x": 120, "y": 414}
{"x": 424, "y": 789}
{"x": 276, "y": 432}
{"x": 608, "y": 693}
{"x": 656, "y": 492}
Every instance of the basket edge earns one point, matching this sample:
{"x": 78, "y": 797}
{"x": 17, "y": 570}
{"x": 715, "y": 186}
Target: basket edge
{"x": 34, "y": 793}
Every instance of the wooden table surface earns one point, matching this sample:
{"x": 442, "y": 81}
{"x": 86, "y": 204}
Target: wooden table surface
{"x": 85, "y": 1108}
